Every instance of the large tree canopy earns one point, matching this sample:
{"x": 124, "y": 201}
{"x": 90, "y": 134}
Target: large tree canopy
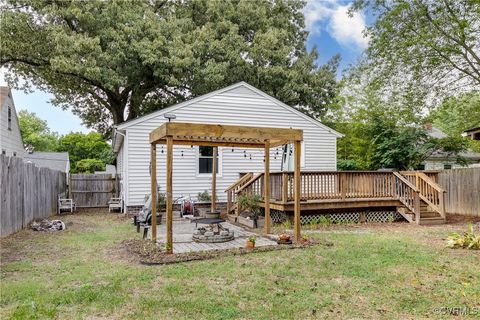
{"x": 110, "y": 61}
{"x": 430, "y": 46}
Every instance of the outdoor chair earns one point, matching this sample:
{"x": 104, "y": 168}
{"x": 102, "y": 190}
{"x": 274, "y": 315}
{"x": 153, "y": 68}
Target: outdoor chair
{"x": 65, "y": 204}
{"x": 115, "y": 204}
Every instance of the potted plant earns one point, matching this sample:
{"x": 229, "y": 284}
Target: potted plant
{"x": 251, "y": 242}
{"x": 250, "y": 210}
{"x": 161, "y": 206}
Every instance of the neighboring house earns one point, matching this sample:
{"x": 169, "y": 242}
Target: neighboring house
{"x": 441, "y": 160}
{"x": 239, "y": 104}
{"x": 473, "y": 133}
{"x": 53, "y": 160}
{"x": 11, "y": 143}
{"x": 109, "y": 168}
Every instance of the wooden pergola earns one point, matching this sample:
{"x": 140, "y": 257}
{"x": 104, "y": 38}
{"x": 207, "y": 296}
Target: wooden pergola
{"x": 215, "y": 136}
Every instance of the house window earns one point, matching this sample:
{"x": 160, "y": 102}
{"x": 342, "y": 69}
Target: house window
{"x": 9, "y": 118}
{"x": 447, "y": 166}
{"x": 420, "y": 167}
{"x": 205, "y": 160}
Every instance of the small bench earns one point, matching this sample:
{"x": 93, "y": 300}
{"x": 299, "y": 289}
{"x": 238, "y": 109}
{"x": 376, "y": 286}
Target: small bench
{"x": 65, "y": 203}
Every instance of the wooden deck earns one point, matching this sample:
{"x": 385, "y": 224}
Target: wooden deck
{"x": 415, "y": 195}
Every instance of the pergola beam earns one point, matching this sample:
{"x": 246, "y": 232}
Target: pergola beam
{"x": 224, "y": 132}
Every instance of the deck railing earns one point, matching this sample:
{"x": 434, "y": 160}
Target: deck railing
{"x": 408, "y": 188}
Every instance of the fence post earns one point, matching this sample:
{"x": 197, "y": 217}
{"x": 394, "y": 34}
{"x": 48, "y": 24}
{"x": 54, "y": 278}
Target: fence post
{"x": 343, "y": 185}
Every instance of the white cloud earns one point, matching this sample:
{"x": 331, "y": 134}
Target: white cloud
{"x": 331, "y": 16}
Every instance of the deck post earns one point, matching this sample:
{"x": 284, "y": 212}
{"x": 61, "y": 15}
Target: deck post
{"x": 153, "y": 189}
{"x": 284, "y": 187}
{"x": 297, "y": 179}
{"x": 213, "y": 207}
{"x": 169, "y": 194}
{"x": 266, "y": 187}
{"x": 416, "y": 205}
{"x": 343, "y": 185}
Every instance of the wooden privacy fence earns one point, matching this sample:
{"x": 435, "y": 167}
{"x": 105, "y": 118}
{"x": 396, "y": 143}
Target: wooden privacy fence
{"x": 462, "y": 190}
{"x": 27, "y": 193}
{"x": 93, "y": 190}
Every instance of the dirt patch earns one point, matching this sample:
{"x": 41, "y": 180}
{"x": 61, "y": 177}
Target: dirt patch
{"x": 148, "y": 253}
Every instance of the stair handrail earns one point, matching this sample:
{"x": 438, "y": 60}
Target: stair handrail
{"x": 415, "y": 205}
{"x": 431, "y": 182}
{"x": 404, "y": 180}
{"x": 244, "y": 178}
{"x": 440, "y": 208}
{"x": 250, "y": 182}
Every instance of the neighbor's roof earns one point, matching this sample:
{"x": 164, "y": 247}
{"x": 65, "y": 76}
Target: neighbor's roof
{"x": 154, "y": 114}
{"x": 52, "y": 160}
{"x": 436, "y": 133}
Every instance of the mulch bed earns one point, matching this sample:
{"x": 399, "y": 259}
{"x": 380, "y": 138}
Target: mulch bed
{"x": 150, "y": 254}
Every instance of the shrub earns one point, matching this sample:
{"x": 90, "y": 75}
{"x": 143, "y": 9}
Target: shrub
{"x": 204, "y": 196}
{"x": 250, "y": 202}
{"x": 89, "y": 166}
{"x": 347, "y": 165}
{"x": 468, "y": 240}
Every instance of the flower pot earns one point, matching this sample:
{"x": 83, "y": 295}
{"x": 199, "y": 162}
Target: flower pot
{"x": 284, "y": 237}
{"x": 250, "y": 244}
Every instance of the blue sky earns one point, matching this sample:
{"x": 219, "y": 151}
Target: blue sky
{"x": 331, "y": 30}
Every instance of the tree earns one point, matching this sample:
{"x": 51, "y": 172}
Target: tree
{"x": 457, "y": 114}
{"x": 111, "y": 61}
{"x": 87, "y": 147}
{"x": 35, "y": 132}
{"x": 430, "y": 46}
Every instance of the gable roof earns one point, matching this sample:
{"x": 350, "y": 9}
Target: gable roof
{"x": 154, "y": 114}
{"x": 53, "y": 160}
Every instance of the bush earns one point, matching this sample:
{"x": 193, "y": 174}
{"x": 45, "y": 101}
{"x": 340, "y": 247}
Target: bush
{"x": 89, "y": 166}
{"x": 469, "y": 240}
{"x": 204, "y": 196}
{"x": 250, "y": 202}
{"x": 348, "y": 165}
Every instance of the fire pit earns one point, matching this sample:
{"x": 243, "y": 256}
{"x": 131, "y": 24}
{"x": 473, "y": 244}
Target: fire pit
{"x": 212, "y": 232}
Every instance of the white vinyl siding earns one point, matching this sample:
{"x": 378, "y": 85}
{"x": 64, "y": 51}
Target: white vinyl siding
{"x": 239, "y": 106}
{"x": 10, "y": 137}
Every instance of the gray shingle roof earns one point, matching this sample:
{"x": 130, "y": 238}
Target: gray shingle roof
{"x": 52, "y": 160}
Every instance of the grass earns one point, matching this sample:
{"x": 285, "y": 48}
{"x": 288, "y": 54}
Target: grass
{"x": 393, "y": 271}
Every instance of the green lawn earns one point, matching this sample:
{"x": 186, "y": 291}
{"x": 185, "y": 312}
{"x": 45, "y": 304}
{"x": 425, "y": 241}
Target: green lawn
{"x": 396, "y": 271}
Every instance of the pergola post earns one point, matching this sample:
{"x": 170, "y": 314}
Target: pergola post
{"x": 213, "y": 207}
{"x": 266, "y": 188}
{"x": 153, "y": 186}
{"x": 169, "y": 188}
{"x": 297, "y": 177}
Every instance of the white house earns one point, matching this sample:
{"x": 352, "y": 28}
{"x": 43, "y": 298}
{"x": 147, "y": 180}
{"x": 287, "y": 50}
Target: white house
{"x": 238, "y": 104}
{"x": 440, "y": 160}
{"x": 11, "y": 143}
